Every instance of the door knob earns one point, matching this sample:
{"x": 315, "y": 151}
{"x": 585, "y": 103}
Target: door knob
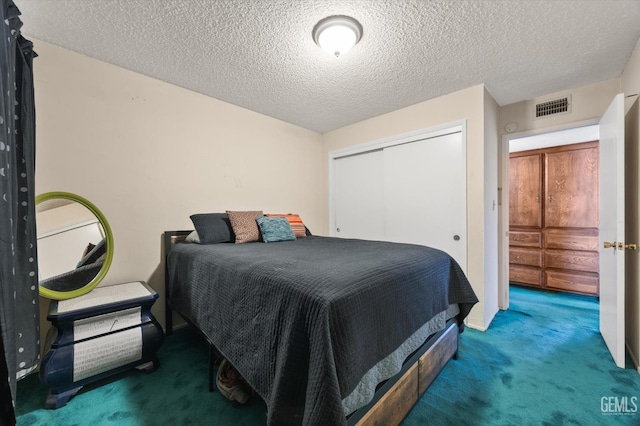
{"x": 620, "y": 246}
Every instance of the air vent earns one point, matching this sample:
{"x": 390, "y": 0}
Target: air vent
{"x": 554, "y": 107}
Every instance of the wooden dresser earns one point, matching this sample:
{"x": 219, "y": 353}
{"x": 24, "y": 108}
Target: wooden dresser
{"x": 553, "y": 218}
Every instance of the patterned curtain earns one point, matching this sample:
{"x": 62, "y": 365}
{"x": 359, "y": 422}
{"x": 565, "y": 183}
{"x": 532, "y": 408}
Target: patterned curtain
{"x": 19, "y": 302}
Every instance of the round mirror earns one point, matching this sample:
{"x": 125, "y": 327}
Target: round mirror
{"x": 75, "y": 245}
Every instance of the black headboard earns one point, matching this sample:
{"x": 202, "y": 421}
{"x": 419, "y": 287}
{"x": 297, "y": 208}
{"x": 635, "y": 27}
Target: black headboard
{"x": 171, "y": 238}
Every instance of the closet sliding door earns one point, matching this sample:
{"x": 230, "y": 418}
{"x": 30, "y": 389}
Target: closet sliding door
{"x": 359, "y": 197}
{"x": 425, "y": 194}
{"x": 413, "y": 191}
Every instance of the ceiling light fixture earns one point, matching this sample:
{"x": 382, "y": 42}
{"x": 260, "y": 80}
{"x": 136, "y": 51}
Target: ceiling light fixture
{"x": 337, "y": 34}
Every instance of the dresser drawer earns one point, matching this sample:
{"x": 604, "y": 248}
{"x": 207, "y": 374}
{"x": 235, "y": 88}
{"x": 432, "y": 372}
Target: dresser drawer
{"x": 586, "y": 283}
{"x": 524, "y": 275}
{"x": 574, "y": 260}
{"x": 525, "y": 239}
{"x": 569, "y": 241}
{"x": 523, "y": 256}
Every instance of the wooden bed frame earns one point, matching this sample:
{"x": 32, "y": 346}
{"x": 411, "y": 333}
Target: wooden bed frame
{"x": 394, "y": 398}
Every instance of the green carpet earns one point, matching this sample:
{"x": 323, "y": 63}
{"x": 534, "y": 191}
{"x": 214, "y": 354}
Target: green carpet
{"x": 543, "y": 362}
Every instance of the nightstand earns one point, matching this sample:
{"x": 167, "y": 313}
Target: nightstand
{"x": 104, "y": 332}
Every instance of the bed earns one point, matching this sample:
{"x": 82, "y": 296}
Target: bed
{"x": 306, "y": 321}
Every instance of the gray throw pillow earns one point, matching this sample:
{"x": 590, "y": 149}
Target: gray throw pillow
{"x": 213, "y": 228}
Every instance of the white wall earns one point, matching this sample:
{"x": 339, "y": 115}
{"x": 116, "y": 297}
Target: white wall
{"x": 587, "y": 102}
{"x": 466, "y": 104}
{"x": 491, "y": 201}
{"x": 630, "y": 85}
{"x": 149, "y": 154}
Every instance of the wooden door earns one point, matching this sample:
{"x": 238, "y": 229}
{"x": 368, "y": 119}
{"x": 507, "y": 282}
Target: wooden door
{"x": 525, "y": 218}
{"x": 525, "y": 191}
{"x": 571, "y": 188}
{"x": 554, "y": 218}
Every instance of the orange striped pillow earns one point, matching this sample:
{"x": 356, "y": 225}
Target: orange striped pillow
{"x": 294, "y": 220}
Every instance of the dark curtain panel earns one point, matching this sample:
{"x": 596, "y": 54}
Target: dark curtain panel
{"x": 18, "y": 261}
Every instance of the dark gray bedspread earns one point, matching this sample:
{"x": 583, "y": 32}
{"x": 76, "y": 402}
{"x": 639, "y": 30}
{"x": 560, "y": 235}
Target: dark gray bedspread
{"x": 304, "y": 320}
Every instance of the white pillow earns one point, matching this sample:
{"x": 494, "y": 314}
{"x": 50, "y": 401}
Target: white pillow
{"x": 193, "y": 237}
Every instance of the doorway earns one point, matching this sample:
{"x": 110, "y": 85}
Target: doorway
{"x": 571, "y": 133}
{"x": 553, "y": 210}
{"x": 616, "y": 203}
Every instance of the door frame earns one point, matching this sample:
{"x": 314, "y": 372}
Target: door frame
{"x": 503, "y": 193}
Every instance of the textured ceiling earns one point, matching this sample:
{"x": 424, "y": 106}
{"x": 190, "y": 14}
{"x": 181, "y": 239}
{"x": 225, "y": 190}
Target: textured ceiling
{"x": 260, "y": 55}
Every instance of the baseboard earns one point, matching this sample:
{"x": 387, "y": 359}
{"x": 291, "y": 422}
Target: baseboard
{"x": 475, "y": 326}
{"x": 633, "y": 357}
{"x": 489, "y": 320}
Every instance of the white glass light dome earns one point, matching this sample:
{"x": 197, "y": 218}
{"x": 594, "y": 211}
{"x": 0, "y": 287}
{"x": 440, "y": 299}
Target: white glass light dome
{"x": 337, "y": 34}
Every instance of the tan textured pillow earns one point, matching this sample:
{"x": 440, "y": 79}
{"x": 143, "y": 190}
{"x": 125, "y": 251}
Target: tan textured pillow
{"x": 244, "y": 225}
